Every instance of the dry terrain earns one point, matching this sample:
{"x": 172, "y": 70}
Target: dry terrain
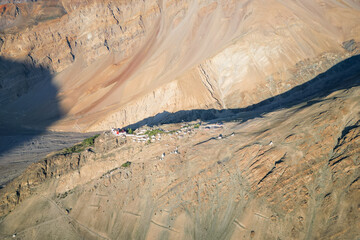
{"x": 92, "y": 65}
{"x": 247, "y": 112}
{"x": 288, "y": 169}
{"x": 18, "y": 150}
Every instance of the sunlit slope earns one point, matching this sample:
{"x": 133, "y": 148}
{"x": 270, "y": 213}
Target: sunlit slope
{"x": 292, "y": 173}
{"x": 127, "y": 61}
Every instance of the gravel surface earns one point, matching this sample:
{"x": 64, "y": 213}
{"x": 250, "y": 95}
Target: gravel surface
{"x": 18, "y": 151}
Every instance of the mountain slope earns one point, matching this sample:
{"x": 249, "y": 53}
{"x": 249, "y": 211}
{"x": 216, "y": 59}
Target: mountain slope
{"x": 287, "y": 169}
{"x": 116, "y": 63}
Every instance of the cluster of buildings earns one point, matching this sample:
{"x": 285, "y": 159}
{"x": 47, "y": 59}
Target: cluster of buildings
{"x": 141, "y": 135}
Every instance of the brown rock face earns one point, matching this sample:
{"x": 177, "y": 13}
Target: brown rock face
{"x": 22, "y": 14}
{"x": 117, "y": 62}
{"x": 287, "y": 169}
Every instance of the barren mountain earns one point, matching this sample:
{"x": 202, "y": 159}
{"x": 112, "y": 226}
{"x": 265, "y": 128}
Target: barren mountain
{"x": 246, "y": 116}
{"x": 113, "y": 63}
{"x": 287, "y": 169}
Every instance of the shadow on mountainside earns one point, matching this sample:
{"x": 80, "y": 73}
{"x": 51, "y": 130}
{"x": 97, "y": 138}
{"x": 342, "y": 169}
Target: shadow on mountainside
{"x": 27, "y": 102}
{"x": 343, "y": 75}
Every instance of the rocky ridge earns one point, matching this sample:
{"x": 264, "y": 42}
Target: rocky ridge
{"x": 289, "y": 173}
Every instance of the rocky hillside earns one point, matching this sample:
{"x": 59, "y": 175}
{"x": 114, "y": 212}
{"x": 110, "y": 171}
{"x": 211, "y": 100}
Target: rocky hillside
{"x": 247, "y": 112}
{"x": 112, "y": 63}
{"x": 287, "y": 168}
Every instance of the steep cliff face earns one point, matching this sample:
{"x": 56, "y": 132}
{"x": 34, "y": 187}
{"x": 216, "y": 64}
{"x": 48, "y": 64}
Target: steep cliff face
{"x": 288, "y": 169}
{"x": 141, "y": 58}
